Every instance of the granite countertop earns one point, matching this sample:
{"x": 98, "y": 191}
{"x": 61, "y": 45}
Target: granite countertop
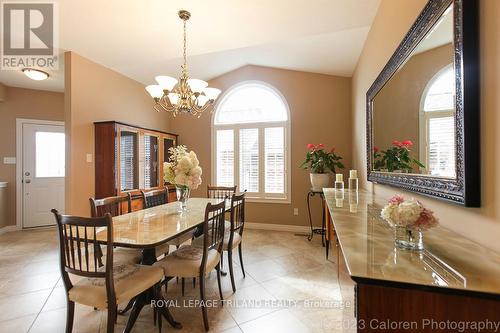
{"x": 367, "y": 242}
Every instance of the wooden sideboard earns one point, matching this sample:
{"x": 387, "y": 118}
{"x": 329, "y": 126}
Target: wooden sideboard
{"x": 130, "y": 158}
{"x": 454, "y": 282}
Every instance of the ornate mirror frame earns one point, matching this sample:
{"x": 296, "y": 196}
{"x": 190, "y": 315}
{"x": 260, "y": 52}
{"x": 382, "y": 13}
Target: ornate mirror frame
{"x": 465, "y": 188}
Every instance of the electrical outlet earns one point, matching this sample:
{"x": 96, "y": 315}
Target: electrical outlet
{"x": 296, "y": 211}
{"x": 89, "y": 158}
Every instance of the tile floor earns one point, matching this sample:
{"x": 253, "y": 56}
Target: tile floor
{"x": 281, "y": 269}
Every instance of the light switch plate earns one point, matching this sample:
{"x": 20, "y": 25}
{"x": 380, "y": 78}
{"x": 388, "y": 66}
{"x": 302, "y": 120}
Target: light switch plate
{"x": 295, "y": 211}
{"x": 89, "y": 158}
{"x": 9, "y": 160}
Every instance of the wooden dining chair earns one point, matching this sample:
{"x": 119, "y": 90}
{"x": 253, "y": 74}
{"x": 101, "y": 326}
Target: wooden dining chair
{"x": 115, "y": 206}
{"x": 154, "y": 198}
{"x": 197, "y": 261}
{"x": 112, "y": 205}
{"x": 220, "y": 192}
{"x": 100, "y": 287}
{"x": 234, "y": 237}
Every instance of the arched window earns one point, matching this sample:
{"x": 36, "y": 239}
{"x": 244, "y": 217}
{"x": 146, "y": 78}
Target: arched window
{"x": 438, "y": 124}
{"x": 250, "y": 133}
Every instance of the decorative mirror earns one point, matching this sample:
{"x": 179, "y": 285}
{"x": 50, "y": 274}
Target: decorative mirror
{"x": 423, "y": 108}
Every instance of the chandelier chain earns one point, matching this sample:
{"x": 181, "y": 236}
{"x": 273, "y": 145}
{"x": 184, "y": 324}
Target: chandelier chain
{"x": 184, "y": 54}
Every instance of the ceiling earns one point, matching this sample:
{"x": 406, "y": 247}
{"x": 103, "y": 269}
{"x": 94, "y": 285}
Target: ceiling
{"x": 141, "y": 39}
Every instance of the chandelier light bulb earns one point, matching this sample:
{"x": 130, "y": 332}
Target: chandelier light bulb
{"x": 166, "y": 82}
{"x": 155, "y": 91}
{"x": 196, "y": 85}
{"x": 212, "y": 93}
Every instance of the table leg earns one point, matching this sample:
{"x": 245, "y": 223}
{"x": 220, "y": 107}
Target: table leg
{"x": 323, "y": 222}
{"x": 145, "y": 298}
{"x": 310, "y": 219}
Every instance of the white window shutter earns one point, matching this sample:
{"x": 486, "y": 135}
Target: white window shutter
{"x": 442, "y": 146}
{"x": 249, "y": 160}
{"x": 274, "y": 146}
{"x": 225, "y": 157}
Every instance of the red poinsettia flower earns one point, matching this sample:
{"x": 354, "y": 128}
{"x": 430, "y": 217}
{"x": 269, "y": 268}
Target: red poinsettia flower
{"x": 375, "y": 149}
{"x": 407, "y": 143}
{"x": 397, "y": 143}
{"x": 332, "y": 150}
{"x": 321, "y": 145}
{"x": 311, "y": 146}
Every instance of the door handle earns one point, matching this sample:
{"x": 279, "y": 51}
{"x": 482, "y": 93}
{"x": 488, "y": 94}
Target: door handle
{"x": 27, "y": 181}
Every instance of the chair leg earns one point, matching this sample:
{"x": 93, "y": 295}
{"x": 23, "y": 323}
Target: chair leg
{"x": 128, "y": 307}
{"x": 231, "y": 272}
{"x": 182, "y": 283}
{"x": 111, "y": 319}
{"x": 159, "y": 321}
{"x": 154, "y": 316}
{"x": 241, "y": 259}
{"x": 70, "y": 315}
{"x": 219, "y": 283}
{"x": 203, "y": 301}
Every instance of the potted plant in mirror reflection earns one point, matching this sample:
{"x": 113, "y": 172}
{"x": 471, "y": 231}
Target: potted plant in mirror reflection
{"x": 395, "y": 159}
{"x": 409, "y": 219}
{"x": 182, "y": 170}
{"x": 322, "y": 164}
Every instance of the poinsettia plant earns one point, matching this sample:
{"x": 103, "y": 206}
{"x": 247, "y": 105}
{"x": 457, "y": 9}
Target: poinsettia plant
{"x": 398, "y": 157}
{"x": 318, "y": 160}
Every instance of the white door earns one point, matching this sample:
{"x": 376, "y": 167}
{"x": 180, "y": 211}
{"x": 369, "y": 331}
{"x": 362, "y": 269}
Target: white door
{"x": 43, "y": 173}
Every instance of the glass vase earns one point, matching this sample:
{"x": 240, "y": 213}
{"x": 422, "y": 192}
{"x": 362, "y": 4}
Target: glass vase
{"x": 409, "y": 239}
{"x": 183, "y": 193}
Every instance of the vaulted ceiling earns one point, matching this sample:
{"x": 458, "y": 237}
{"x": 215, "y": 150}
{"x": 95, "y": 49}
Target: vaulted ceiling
{"x": 141, "y": 39}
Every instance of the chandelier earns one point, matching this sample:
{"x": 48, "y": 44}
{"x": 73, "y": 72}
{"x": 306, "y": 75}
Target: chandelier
{"x": 184, "y": 95}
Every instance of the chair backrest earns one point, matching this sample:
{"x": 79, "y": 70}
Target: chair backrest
{"x": 79, "y": 254}
{"x": 220, "y": 192}
{"x": 237, "y": 214}
{"x": 213, "y": 226}
{"x": 111, "y": 205}
{"x": 154, "y": 198}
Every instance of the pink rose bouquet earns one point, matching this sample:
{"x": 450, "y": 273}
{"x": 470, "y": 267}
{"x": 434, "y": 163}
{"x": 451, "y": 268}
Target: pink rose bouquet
{"x": 408, "y": 213}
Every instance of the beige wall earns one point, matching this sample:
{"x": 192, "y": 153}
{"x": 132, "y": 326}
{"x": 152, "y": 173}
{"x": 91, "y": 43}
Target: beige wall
{"x": 96, "y": 93}
{"x": 320, "y": 107}
{"x": 22, "y": 103}
{"x": 391, "y": 23}
{"x": 399, "y": 101}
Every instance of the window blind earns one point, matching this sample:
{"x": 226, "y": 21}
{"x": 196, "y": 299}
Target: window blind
{"x": 128, "y": 151}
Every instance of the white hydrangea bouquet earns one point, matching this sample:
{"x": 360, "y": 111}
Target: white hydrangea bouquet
{"x": 182, "y": 170}
{"x": 410, "y": 218}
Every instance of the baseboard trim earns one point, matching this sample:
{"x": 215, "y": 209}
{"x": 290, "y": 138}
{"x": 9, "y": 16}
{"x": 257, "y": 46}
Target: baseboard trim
{"x": 278, "y": 227}
{"x": 8, "y": 228}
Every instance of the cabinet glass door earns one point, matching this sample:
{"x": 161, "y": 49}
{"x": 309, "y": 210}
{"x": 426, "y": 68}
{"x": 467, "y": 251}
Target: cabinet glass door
{"x": 129, "y": 179}
{"x": 151, "y": 158}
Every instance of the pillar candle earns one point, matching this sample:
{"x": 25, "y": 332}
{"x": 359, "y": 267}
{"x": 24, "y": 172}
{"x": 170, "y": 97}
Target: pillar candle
{"x": 353, "y": 174}
{"x": 339, "y": 177}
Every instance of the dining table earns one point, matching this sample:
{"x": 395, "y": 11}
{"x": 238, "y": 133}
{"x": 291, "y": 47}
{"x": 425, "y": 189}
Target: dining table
{"x": 151, "y": 227}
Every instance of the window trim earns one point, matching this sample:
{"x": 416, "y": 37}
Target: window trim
{"x": 261, "y": 197}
